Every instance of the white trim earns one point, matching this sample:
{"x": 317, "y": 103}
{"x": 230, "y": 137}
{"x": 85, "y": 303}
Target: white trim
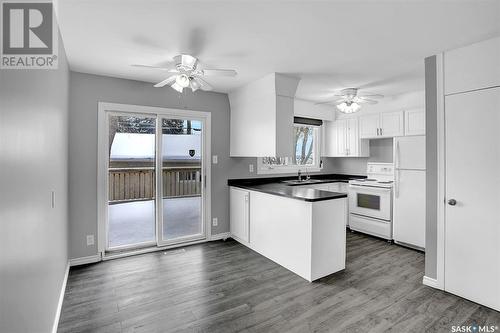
{"x": 102, "y": 179}
{"x": 222, "y": 235}
{"x": 441, "y": 173}
{"x": 85, "y": 260}
{"x": 61, "y": 298}
{"x": 430, "y": 282}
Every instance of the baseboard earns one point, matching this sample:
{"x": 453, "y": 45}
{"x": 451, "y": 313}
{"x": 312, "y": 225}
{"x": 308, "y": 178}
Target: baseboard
{"x": 430, "y": 282}
{"x": 61, "y": 298}
{"x": 224, "y": 236}
{"x": 85, "y": 260}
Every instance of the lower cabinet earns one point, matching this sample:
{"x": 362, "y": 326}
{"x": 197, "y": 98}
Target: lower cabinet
{"x": 239, "y": 215}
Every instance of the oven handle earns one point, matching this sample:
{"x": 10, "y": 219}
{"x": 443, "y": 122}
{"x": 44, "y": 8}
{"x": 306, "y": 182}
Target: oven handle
{"x": 368, "y": 187}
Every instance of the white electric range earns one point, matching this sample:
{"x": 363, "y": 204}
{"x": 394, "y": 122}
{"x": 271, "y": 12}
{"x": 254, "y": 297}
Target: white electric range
{"x": 370, "y": 201}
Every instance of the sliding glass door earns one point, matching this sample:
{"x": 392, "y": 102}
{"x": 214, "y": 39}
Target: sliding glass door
{"x": 181, "y": 179}
{"x": 154, "y": 191}
{"x": 131, "y": 181}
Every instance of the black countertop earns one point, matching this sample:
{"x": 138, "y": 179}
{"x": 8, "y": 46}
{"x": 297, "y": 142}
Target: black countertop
{"x": 275, "y": 186}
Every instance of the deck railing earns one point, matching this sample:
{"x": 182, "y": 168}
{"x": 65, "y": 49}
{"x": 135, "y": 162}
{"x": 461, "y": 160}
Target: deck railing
{"x": 130, "y": 184}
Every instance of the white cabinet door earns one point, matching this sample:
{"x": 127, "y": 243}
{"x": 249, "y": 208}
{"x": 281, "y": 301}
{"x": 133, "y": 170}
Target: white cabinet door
{"x": 343, "y": 187}
{"x": 239, "y": 201}
{"x": 341, "y": 131}
{"x": 352, "y": 137}
{"x": 342, "y": 139}
{"x": 415, "y": 122}
{"x": 369, "y": 126}
{"x": 391, "y": 124}
{"x": 472, "y": 67}
{"x": 334, "y": 187}
{"x": 472, "y": 223}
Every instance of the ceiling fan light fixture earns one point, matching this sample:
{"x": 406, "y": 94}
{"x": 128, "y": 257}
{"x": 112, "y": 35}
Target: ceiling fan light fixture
{"x": 195, "y": 85}
{"x": 348, "y": 107}
{"x": 182, "y": 80}
{"x": 177, "y": 87}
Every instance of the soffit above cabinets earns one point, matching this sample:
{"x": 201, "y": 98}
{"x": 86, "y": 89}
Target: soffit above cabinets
{"x": 262, "y": 117}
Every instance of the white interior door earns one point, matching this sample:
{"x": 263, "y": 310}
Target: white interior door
{"x": 472, "y": 223}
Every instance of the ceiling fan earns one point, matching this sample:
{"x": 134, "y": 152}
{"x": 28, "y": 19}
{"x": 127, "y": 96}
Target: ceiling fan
{"x": 349, "y": 100}
{"x": 186, "y": 74}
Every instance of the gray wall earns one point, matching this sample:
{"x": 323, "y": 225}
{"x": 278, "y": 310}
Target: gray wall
{"x": 431, "y": 167}
{"x": 381, "y": 150}
{"x": 85, "y": 92}
{"x": 33, "y": 162}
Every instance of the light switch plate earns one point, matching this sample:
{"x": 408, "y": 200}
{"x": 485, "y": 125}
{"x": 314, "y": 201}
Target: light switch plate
{"x": 215, "y": 222}
{"x": 90, "y": 240}
{"x": 214, "y": 159}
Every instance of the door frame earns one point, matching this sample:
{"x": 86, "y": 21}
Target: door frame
{"x": 102, "y": 165}
{"x": 438, "y": 282}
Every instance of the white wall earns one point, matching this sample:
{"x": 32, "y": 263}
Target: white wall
{"x": 33, "y": 162}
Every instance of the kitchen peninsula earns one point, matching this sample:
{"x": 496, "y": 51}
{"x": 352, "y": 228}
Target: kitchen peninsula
{"x": 295, "y": 224}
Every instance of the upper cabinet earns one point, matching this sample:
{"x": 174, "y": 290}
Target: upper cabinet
{"x": 415, "y": 122}
{"x": 369, "y": 126}
{"x": 381, "y": 125}
{"x": 341, "y": 139}
{"x": 472, "y": 67}
{"x": 262, "y": 117}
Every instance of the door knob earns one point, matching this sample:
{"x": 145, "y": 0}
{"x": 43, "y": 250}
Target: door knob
{"x": 452, "y": 202}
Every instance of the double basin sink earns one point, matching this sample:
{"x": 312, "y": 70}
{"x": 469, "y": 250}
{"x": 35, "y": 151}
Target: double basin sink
{"x": 293, "y": 182}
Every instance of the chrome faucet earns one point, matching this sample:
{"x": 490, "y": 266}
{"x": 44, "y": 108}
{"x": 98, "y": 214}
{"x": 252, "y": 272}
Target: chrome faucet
{"x": 299, "y": 173}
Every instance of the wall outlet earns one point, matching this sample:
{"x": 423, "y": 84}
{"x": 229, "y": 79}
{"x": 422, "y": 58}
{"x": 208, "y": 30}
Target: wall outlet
{"x": 214, "y": 159}
{"x": 90, "y": 240}
{"x": 215, "y": 222}
{"x": 250, "y": 167}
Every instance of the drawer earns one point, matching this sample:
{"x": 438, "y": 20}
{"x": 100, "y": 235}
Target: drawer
{"x": 371, "y": 226}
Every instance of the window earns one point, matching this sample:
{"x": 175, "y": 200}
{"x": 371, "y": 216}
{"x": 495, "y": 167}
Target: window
{"x": 306, "y": 145}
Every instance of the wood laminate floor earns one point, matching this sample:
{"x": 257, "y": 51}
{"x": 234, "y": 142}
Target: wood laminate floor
{"x": 225, "y": 287}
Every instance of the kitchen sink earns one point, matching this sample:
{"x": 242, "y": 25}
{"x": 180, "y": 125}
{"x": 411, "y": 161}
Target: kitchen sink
{"x": 294, "y": 182}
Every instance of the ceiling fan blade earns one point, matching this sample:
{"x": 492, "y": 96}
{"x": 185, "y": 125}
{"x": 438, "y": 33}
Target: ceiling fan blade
{"x": 204, "y": 85}
{"x": 333, "y": 102}
{"x": 219, "y": 72}
{"x": 371, "y": 95}
{"x": 153, "y": 67}
{"x": 360, "y": 99}
{"x": 163, "y": 83}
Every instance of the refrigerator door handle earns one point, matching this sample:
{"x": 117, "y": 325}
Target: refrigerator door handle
{"x": 396, "y": 184}
{"x": 397, "y": 154}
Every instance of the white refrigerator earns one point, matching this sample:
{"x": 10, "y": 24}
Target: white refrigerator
{"x": 409, "y": 191}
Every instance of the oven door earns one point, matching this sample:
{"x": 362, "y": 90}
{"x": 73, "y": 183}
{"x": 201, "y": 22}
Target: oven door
{"x": 370, "y": 201}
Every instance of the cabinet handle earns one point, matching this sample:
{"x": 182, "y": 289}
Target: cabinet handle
{"x": 377, "y": 131}
{"x": 381, "y": 132}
